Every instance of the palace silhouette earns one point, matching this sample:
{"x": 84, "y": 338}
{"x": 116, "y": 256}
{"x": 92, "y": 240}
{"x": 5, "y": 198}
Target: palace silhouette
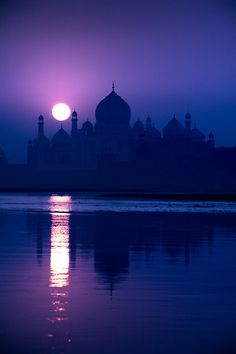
{"x": 112, "y": 139}
{"x": 113, "y": 155}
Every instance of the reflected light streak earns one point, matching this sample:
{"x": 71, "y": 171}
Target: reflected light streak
{"x": 59, "y": 256}
{"x": 59, "y": 260}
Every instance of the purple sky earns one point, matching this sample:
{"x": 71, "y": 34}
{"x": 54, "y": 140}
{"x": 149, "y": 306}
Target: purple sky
{"x": 165, "y": 57}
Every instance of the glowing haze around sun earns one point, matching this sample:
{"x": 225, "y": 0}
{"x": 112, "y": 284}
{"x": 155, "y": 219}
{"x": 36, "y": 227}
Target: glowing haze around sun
{"x": 61, "y": 111}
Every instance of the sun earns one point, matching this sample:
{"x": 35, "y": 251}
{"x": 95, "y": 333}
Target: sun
{"x": 61, "y": 111}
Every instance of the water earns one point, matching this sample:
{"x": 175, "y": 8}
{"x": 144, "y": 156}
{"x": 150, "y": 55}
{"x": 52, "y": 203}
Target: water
{"x": 90, "y": 275}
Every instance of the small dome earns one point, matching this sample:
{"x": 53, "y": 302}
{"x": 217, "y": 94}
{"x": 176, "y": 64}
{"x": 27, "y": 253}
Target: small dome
{"x": 87, "y": 125}
{"x": 74, "y": 114}
{"x": 154, "y": 133}
{"x": 40, "y": 118}
{"x": 113, "y": 109}
{"x": 211, "y": 135}
{"x": 148, "y": 120}
{"x": 61, "y": 137}
{"x": 138, "y": 125}
{"x": 173, "y": 128}
{"x": 87, "y": 128}
{"x": 197, "y": 134}
{"x": 188, "y": 116}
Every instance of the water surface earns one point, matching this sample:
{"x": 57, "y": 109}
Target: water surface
{"x": 90, "y": 275}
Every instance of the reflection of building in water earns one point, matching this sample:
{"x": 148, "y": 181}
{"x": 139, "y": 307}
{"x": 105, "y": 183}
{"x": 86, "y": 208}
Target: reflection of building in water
{"x": 38, "y": 225}
{"x": 111, "y": 249}
{"x": 109, "y": 239}
{"x": 59, "y": 256}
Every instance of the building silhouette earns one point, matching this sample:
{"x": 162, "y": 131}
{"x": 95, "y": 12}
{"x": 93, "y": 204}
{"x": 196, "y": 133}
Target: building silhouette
{"x": 113, "y": 139}
{"x": 113, "y": 154}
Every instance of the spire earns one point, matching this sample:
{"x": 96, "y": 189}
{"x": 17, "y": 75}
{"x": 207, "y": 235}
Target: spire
{"x": 211, "y": 140}
{"x": 74, "y": 114}
{"x": 74, "y": 122}
{"x": 148, "y": 123}
{"x": 40, "y": 127}
{"x": 113, "y": 86}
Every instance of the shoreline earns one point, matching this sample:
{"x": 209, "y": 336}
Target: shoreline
{"x": 144, "y": 195}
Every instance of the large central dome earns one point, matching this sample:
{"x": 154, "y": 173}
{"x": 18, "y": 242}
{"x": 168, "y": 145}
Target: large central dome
{"x": 113, "y": 109}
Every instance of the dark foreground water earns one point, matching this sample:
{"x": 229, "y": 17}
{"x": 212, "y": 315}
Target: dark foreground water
{"x": 102, "y": 276}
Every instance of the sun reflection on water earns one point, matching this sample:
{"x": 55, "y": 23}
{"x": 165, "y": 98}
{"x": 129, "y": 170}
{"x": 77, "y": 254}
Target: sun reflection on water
{"x": 59, "y": 260}
{"x": 59, "y": 256}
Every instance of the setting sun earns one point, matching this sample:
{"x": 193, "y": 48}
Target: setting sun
{"x": 61, "y": 111}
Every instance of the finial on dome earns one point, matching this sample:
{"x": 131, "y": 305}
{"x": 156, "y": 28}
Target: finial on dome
{"x": 113, "y": 86}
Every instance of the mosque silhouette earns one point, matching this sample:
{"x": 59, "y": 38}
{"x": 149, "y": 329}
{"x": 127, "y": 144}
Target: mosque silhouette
{"x": 113, "y": 155}
{"x": 112, "y": 139}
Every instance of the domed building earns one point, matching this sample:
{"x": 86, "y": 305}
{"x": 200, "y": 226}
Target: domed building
{"x": 112, "y": 114}
{"x": 138, "y": 132}
{"x": 173, "y": 130}
{"x": 60, "y": 151}
{"x": 138, "y": 126}
{"x": 197, "y": 135}
{"x": 112, "y": 126}
{"x": 87, "y": 128}
{"x": 61, "y": 139}
{"x": 112, "y": 140}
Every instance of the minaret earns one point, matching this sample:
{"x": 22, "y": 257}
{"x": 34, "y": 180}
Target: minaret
{"x": 148, "y": 123}
{"x": 188, "y": 123}
{"x": 74, "y": 121}
{"x": 40, "y": 128}
{"x": 211, "y": 140}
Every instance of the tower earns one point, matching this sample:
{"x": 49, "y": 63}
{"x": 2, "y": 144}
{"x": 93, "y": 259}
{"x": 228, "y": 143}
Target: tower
{"x": 74, "y": 121}
{"x": 39, "y": 149}
{"x": 211, "y": 140}
{"x": 148, "y": 123}
{"x": 188, "y": 123}
{"x": 40, "y": 128}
